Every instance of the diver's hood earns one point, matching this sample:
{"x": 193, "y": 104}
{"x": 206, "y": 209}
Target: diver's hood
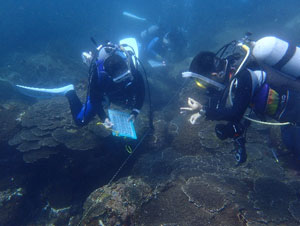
{"x": 115, "y": 63}
{"x": 203, "y": 79}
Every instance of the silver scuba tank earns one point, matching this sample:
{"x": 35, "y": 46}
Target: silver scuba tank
{"x": 278, "y": 54}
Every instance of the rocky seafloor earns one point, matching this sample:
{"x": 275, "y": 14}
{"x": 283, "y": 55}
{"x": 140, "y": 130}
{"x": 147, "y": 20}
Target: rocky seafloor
{"x": 54, "y": 173}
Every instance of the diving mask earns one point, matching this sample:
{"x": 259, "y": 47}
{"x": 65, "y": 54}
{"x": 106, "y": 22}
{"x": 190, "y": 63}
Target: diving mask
{"x": 203, "y": 79}
{"x": 115, "y": 63}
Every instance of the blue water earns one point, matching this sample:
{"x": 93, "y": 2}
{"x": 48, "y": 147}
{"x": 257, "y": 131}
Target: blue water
{"x": 34, "y": 24}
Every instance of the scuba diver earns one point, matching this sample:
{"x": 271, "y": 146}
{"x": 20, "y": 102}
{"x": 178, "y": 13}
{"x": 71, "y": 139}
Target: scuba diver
{"x": 113, "y": 78}
{"x": 258, "y": 81}
{"x": 163, "y": 46}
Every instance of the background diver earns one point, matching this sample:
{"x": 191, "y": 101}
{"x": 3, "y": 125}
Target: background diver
{"x": 162, "y": 45}
{"x": 265, "y": 91}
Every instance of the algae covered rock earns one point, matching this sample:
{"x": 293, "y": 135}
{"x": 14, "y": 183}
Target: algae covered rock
{"x": 11, "y": 206}
{"x": 115, "y": 204}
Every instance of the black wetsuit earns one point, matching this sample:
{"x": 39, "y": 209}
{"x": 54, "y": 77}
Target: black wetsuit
{"x": 287, "y": 110}
{"x": 216, "y": 108}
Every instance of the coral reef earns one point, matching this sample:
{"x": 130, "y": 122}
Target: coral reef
{"x": 48, "y": 124}
{"x": 181, "y": 175}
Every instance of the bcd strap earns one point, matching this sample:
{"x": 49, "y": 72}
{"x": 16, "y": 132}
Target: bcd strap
{"x": 287, "y": 56}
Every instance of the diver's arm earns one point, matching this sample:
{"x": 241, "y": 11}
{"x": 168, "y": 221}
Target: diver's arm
{"x": 217, "y": 110}
{"x": 97, "y": 89}
{"x": 151, "y": 47}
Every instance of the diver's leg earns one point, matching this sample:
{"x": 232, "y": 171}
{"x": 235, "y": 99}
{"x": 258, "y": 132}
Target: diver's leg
{"x": 75, "y": 104}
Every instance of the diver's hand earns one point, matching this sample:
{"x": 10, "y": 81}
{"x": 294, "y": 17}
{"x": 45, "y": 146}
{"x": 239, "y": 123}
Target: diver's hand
{"x": 159, "y": 57}
{"x": 107, "y": 124}
{"x": 194, "y": 117}
{"x": 193, "y": 105}
{"x": 131, "y": 118}
{"x": 87, "y": 58}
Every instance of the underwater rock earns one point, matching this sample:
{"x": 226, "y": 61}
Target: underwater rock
{"x": 8, "y": 124}
{"x": 156, "y": 167}
{"x": 158, "y": 139}
{"x": 197, "y": 138}
{"x": 54, "y": 216}
{"x": 205, "y": 195}
{"x": 11, "y": 206}
{"x": 294, "y": 209}
{"x": 271, "y": 199}
{"x": 171, "y": 207}
{"x": 116, "y": 204}
{"x": 276, "y": 138}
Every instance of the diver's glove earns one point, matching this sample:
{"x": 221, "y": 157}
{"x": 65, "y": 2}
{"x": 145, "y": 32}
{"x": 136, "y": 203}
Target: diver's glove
{"x": 240, "y": 150}
{"x": 131, "y": 118}
{"x": 134, "y": 113}
{"x": 159, "y": 57}
{"x": 194, "y": 117}
{"x": 107, "y": 124}
{"x": 87, "y": 58}
{"x": 193, "y": 106}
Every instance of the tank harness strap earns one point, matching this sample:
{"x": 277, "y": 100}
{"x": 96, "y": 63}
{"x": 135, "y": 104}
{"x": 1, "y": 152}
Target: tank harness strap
{"x": 287, "y": 56}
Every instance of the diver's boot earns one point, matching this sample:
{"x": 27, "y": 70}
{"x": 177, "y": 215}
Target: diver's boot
{"x": 240, "y": 150}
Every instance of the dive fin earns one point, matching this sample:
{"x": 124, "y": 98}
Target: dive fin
{"x": 43, "y": 92}
{"x": 133, "y": 16}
